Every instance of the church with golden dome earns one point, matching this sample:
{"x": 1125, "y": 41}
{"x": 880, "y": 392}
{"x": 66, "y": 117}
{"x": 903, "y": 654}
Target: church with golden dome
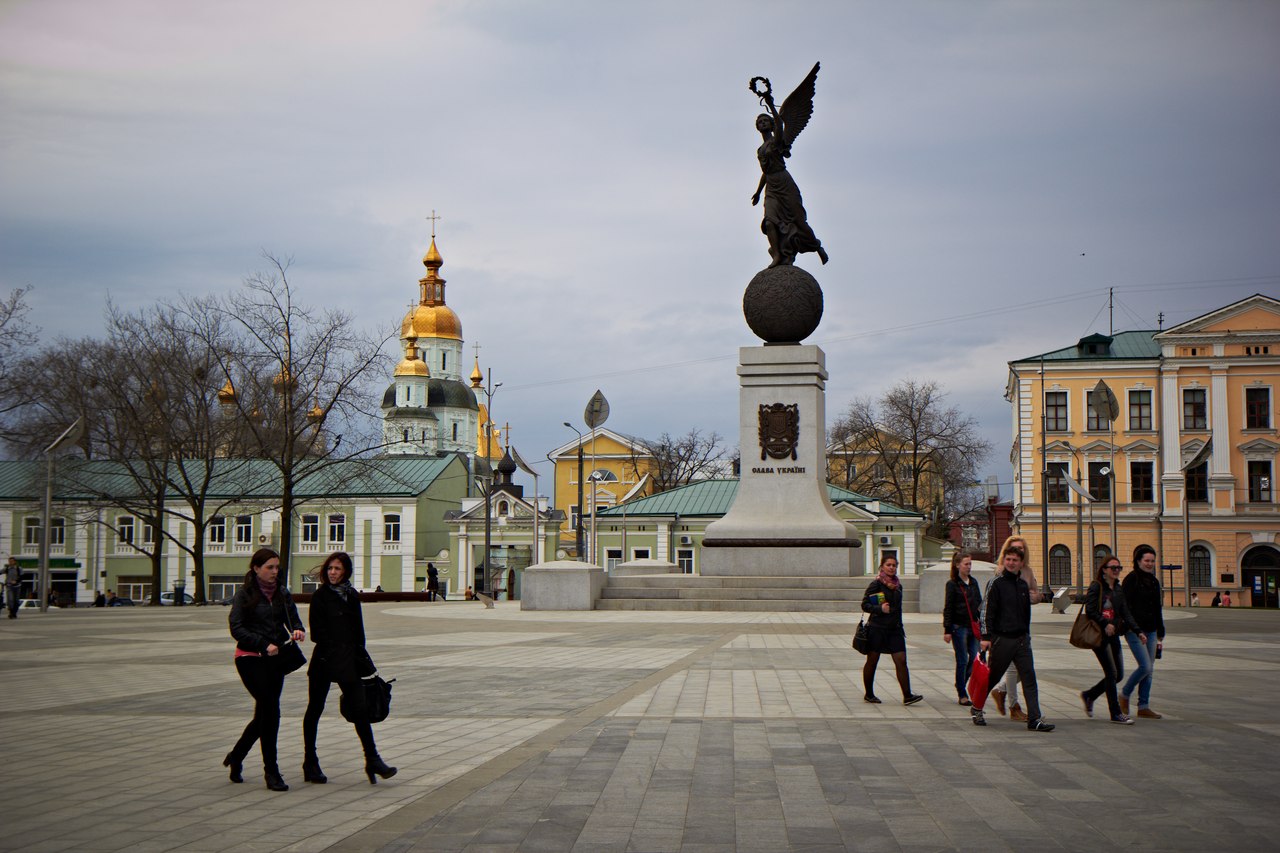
{"x": 428, "y": 410}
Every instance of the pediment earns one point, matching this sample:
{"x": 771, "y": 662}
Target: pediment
{"x": 1251, "y": 315}
{"x": 1098, "y": 446}
{"x": 1259, "y": 445}
{"x": 1140, "y": 446}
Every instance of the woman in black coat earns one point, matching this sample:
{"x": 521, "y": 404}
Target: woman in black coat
{"x": 263, "y": 619}
{"x": 337, "y": 628}
{"x": 885, "y": 634}
{"x": 1104, "y": 603}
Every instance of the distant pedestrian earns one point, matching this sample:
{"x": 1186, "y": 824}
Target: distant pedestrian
{"x": 13, "y": 586}
{"x": 1195, "y": 600}
{"x": 468, "y": 595}
{"x": 263, "y": 618}
{"x": 1217, "y": 600}
{"x": 1009, "y": 691}
{"x": 962, "y": 603}
{"x": 337, "y": 628}
{"x": 433, "y": 582}
{"x": 1104, "y": 603}
{"x": 1146, "y": 602}
{"x": 1006, "y": 632}
{"x": 111, "y": 598}
{"x": 885, "y": 632}
{"x": 100, "y": 600}
{"x": 1226, "y": 598}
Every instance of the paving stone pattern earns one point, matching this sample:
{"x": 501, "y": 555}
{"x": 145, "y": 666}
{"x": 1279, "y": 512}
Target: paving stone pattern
{"x": 630, "y": 731}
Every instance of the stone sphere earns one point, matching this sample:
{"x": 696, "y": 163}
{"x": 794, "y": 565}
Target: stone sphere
{"x": 783, "y": 305}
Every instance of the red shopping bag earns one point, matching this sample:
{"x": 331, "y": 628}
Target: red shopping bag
{"x": 979, "y": 679}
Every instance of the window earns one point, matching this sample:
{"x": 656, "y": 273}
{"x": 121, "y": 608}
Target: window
{"x": 1100, "y": 553}
{"x": 612, "y": 556}
{"x": 337, "y": 528}
{"x": 138, "y": 587}
{"x": 1194, "y": 409}
{"x": 574, "y": 521}
{"x": 1260, "y": 482}
{"x": 124, "y": 532}
{"x": 218, "y": 532}
{"x": 148, "y": 533}
{"x": 222, "y": 587}
{"x": 640, "y": 553}
{"x": 1198, "y": 482}
{"x": 311, "y": 530}
{"x": 391, "y": 527}
{"x": 1096, "y": 422}
{"x": 57, "y": 534}
{"x": 1201, "y": 567}
{"x": 1055, "y": 411}
{"x": 31, "y": 531}
{"x": 1056, "y": 491}
{"x": 1099, "y": 483}
{"x": 444, "y": 360}
{"x": 504, "y": 508}
{"x": 244, "y": 530}
{"x": 1257, "y": 408}
{"x": 1139, "y": 409}
{"x": 1257, "y": 350}
{"x": 455, "y": 431}
{"x": 684, "y": 559}
{"x": 1059, "y": 566}
{"x": 1142, "y": 482}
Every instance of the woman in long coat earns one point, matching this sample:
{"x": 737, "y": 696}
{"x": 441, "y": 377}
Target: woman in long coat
{"x": 337, "y": 628}
{"x": 263, "y": 619}
{"x": 885, "y": 634}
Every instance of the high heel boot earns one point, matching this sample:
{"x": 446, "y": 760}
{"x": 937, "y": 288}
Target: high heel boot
{"x": 236, "y": 766}
{"x": 311, "y": 771}
{"x": 275, "y": 781}
{"x": 374, "y": 766}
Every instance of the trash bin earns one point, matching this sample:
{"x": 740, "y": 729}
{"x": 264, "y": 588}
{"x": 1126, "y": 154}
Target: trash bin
{"x": 179, "y": 593}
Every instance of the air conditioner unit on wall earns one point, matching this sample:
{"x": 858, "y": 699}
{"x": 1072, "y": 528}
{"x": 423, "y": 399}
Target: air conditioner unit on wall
{"x": 886, "y": 540}
{"x": 686, "y": 540}
{"x": 263, "y": 539}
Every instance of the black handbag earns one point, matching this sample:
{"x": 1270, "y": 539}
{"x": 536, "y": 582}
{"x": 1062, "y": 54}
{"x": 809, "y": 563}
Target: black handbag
{"x": 860, "y": 642}
{"x": 289, "y": 658}
{"x": 376, "y": 693}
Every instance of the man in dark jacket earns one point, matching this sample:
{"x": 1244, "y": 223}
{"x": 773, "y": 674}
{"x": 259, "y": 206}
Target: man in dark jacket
{"x": 1142, "y": 593}
{"x": 1006, "y": 631}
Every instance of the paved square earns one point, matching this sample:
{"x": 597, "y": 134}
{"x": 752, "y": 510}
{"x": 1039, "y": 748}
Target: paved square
{"x": 629, "y": 732}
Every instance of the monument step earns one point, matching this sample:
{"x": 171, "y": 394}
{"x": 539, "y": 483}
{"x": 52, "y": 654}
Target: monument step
{"x": 736, "y": 593}
{"x": 851, "y": 596}
{"x": 723, "y": 605}
{"x": 858, "y": 582}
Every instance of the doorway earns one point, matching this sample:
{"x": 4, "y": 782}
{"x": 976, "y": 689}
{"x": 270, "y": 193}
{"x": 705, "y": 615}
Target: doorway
{"x": 1260, "y": 574}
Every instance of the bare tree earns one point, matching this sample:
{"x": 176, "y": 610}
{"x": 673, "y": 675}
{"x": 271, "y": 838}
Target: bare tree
{"x": 300, "y": 383}
{"x": 16, "y": 334}
{"x": 672, "y": 462}
{"x": 909, "y": 448}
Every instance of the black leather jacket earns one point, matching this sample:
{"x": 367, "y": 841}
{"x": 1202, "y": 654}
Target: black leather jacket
{"x": 1142, "y": 594}
{"x": 878, "y": 618}
{"x": 1121, "y": 617}
{"x": 955, "y": 610}
{"x": 257, "y": 623}
{"x": 1008, "y": 610}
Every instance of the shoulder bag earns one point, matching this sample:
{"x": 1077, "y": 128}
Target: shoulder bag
{"x": 289, "y": 658}
{"x": 1085, "y": 633}
{"x": 860, "y": 642}
{"x": 376, "y": 693}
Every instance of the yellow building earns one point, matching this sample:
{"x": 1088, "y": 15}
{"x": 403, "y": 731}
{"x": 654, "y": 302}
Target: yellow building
{"x": 1201, "y": 392}
{"x": 616, "y": 465}
{"x": 887, "y": 466}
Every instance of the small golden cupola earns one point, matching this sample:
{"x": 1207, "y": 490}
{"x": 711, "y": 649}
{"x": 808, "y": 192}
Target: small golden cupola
{"x": 477, "y": 378}
{"x": 227, "y": 394}
{"x": 431, "y": 317}
{"x": 412, "y": 365}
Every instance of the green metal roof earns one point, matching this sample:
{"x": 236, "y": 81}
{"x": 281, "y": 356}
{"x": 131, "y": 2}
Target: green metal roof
{"x": 712, "y": 499}
{"x": 386, "y": 476}
{"x": 1124, "y": 345}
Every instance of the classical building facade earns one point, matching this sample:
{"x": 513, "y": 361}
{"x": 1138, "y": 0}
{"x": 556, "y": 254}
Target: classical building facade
{"x": 615, "y": 468}
{"x": 1196, "y": 422}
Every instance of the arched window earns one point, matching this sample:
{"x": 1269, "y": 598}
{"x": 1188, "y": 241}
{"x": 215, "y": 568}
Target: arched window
{"x": 1059, "y": 566}
{"x": 504, "y": 509}
{"x": 1100, "y": 552}
{"x": 444, "y": 360}
{"x": 455, "y": 431}
{"x": 406, "y": 438}
{"x": 1201, "y": 566}
{"x": 603, "y": 475}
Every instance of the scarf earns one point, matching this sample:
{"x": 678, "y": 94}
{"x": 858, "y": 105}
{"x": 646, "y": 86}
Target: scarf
{"x": 887, "y": 579}
{"x": 268, "y": 590}
{"x": 344, "y": 589}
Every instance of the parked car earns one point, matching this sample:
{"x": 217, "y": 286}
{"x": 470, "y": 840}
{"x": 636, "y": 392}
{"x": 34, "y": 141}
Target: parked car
{"x": 120, "y": 602}
{"x": 28, "y": 604}
{"x": 167, "y": 598}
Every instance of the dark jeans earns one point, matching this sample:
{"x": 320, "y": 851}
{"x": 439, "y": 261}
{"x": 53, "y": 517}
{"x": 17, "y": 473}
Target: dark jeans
{"x": 13, "y": 597}
{"x": 264, "y": 683}
{"x": 1108, "y": 655}
{"x": 965, "y": 645}
{"x": 317, "y": 693}
{"x": 1016, "y": 651}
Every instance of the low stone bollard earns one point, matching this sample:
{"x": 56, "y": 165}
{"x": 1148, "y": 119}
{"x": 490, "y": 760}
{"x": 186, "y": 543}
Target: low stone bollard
{"x": 561, "y": 585}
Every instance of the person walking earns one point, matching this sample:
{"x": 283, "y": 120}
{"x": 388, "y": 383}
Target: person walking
{"x": 1226, "y": 598}
{"x": 1217, "y": 600}
{"x": 962, "y": 603}
{"x": 1104, "y": 603}
{"x": 13, "y": 586}
{"x": 263, "y": 618}
{"x": 1009, "y": 692}
{"x": 1006, "y": 633}
{"x": 337, "y": 629}
{"x": 885, "y": 633}
{"x": 1145, "y": 598}
{"x": 433, "y": 582}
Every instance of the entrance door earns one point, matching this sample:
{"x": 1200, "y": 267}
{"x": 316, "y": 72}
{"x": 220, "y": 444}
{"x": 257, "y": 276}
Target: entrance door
{"x": 1260, "y": 572}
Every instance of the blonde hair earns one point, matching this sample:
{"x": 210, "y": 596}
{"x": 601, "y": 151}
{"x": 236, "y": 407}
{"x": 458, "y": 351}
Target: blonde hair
{"x": 1027, "y": 575}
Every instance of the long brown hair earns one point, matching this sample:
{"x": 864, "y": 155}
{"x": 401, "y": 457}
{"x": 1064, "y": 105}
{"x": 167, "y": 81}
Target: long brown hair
{"x": 259, "y": 558}
{"x": 956, "y": 559}
{"x": 320, "y": 573}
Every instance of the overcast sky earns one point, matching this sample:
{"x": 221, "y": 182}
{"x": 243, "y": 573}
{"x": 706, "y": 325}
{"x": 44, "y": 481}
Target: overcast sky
{"x": 980, "y": 173}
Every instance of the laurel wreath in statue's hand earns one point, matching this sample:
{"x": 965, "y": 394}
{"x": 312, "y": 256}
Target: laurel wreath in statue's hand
{"x": 766, "y": 92}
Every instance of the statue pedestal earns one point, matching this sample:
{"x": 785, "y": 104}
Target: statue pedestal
{"x": 781, "y": 522}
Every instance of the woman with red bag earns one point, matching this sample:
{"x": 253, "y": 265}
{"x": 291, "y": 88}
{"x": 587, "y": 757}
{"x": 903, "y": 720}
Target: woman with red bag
{"x": 962, "y": 604}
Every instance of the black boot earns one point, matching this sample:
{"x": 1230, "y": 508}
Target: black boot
{"x": 275, "y": 781}
{"x": 236, "y": 765}
{"x": 311, "y": 771}
{"x": 375, "y": 766}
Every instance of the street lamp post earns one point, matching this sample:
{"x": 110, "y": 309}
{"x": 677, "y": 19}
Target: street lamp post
{"x": 42, "y": 583}
{"x": 577, "y": 524}
{"x": 489, "y": 390}
{"x": 1106, "y": 405}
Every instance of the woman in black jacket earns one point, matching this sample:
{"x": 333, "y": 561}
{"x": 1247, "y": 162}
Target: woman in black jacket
{"x": 337, "y": 628}
{"x": 1104, "y": 603}
{"x": 1146, "y": 601}
{"x": 885, "y": 634}
{"x": 263, "y": 618}
{"x": 960, "y": 609}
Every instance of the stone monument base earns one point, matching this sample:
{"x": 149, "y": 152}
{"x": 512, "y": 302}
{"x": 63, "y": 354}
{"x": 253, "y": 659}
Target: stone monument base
{"x": 787, "y": 557}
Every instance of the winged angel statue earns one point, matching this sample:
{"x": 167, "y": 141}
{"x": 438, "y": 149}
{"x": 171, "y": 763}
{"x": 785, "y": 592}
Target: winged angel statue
{"x": 785, "y": 222}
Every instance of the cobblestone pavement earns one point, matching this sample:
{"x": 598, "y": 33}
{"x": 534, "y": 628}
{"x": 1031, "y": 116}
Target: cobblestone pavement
{"x": 630, "y": 732}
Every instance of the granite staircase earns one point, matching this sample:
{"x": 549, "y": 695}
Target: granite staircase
{"x": 777, "y": 594}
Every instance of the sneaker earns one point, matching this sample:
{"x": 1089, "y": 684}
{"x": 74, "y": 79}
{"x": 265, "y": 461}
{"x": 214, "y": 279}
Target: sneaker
{"x": 1122, "y": 719}
{"x": 1148, "y": 714}
{"x": 1040, "y": 726}
{"x": 871, "y": 700}
{"x": 1088, "y": 704}
{"x": 1017, "y": 714}
{"x": 912, "y": 699}
{"x": 979, "y": 718}
{"x": 1124, "y": 705}
{"x": 997, "y": 696}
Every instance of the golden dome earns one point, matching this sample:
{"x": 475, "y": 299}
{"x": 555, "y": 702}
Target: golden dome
{"x": 432, "y": 257}
{"x": 476, "y": 376}
{"x": 412, "y": 364}
{"x": 227, "y": 394}
{"x": 431, "y": 321}
{"x": 315, "y": 414}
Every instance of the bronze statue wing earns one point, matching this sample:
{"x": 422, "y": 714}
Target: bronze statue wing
{"x": 798, "y": 106}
